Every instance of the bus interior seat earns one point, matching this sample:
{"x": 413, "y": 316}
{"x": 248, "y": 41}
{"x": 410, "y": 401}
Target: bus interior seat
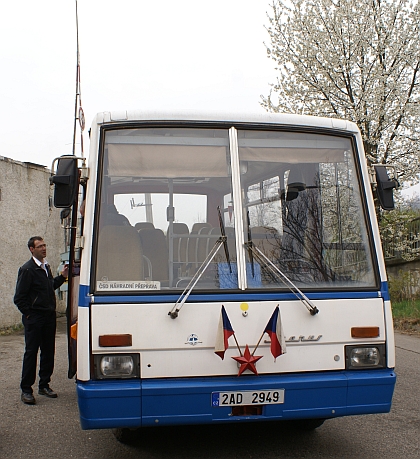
{"x": 198, "y": 232}
{"x": 205, "y": 245}
{"x": 155, "y": 249}
{"x": 141, "y": 225}
{"x": 111, "y": 217}
{"x": 120, "y": 254}
{"x": 180, "y": 234}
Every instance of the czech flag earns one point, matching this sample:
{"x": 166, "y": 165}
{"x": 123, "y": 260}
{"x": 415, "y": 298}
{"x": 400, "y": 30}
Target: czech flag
{"x": 224, "y": 331}
{"x": 275, "y": 332}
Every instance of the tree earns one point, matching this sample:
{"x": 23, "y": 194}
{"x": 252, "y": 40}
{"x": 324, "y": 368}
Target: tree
{"x": 400, "y": 231}
{"x": 352, "y": 59}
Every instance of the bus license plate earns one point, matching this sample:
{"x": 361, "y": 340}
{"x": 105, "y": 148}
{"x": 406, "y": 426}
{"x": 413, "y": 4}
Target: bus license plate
{"x": 250, "y": 397}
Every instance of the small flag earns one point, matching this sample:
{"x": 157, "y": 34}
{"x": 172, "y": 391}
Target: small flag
{"x": 275, "y": 332}
{"x": 224, "y": 331}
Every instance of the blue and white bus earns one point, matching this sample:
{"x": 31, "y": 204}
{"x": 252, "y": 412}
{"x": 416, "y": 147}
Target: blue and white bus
{"x": 225, "y": 269}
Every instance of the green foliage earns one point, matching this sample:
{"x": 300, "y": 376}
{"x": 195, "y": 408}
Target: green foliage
{"x": 405, "y": 300}
{"x": 406, "y": 309}
{"x": 407, "y": 316}
{"x": 403, "y": 287}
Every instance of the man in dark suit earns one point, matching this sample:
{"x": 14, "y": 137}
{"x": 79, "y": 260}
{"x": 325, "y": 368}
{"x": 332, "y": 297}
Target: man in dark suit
{"x": 35, "y": 299}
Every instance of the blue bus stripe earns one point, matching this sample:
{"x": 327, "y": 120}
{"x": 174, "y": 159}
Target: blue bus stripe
{"x": 84, "y": 299}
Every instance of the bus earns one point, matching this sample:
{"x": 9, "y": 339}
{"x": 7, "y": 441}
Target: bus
{"x": 224, "y": 269}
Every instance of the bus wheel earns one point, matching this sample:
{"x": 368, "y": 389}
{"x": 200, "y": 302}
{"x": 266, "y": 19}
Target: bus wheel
{"x": 125, "y": 435}
{"x": 306, "y": 424}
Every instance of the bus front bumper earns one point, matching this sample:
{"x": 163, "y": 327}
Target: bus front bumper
{"x": 137, "y": 403}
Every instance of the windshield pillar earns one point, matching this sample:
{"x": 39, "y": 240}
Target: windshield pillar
{"x": 237, "y": 208}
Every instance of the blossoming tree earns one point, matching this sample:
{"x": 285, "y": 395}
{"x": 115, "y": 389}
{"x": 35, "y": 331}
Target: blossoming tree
{"x": 353, "y": 59}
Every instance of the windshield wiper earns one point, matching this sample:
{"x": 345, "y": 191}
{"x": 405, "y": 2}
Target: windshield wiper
{"x": 223, "y": 233}
{"x": 276, "y": 272}
{"x": 222, "y": 240}
{"x": 250, "y": 254}
{"x": 200, "y": 271}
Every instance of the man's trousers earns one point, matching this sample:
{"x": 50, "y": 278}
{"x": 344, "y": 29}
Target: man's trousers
{"x": 39, "y": 334}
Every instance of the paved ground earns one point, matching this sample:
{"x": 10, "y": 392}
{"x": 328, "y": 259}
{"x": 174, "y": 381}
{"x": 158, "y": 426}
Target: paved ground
{"x": 51, "y": 428}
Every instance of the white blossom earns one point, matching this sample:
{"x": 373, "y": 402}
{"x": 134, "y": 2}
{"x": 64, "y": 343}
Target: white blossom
{"x": 353, "y": 59}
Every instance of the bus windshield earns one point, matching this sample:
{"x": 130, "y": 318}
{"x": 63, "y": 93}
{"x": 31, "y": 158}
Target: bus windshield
{"x": 294, "y": 197}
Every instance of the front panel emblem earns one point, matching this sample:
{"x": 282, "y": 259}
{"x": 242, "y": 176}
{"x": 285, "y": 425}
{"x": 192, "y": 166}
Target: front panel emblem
{"x": 193, "y": 340}
{"x": 303, "y": 339}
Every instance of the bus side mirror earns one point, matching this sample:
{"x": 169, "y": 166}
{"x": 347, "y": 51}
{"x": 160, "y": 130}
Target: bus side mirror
{"x": 65, "y": 182}
{"x": 385, "y": 187}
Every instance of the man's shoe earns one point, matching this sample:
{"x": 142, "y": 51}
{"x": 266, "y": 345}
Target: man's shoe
{"x": 27, "y": 398}
{"x": 48, "y": 392}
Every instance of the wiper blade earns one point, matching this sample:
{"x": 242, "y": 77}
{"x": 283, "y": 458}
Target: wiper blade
{"x": 275, "y": 271}
{"x": 192, "y": 283}
{"x": 250, "y": 254}
{"x": 173, "y": 313}
{"x": 223, "y": 233}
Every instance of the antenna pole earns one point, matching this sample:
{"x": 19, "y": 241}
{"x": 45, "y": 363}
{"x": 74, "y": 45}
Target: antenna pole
{"x": 78, "y": 110}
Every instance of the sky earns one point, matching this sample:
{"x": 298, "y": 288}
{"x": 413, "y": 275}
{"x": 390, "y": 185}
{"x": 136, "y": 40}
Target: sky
{"x": 134, "y": 54}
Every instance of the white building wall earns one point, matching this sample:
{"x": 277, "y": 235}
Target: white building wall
{"x": 24, "y": 212}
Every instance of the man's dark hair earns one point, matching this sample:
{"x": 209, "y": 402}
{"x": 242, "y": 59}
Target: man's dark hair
{"x": 31, "y": 242}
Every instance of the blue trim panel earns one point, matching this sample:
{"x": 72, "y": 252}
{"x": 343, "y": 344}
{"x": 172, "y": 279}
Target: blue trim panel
{"x": 84, "y": 299}
{"x": 105, "y": 404}
{"x": 385, "y": 291}
{"x": 262, "y": 296}
{"x": 111, "y": 404}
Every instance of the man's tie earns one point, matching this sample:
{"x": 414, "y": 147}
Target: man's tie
{"x": 44, "y": 267}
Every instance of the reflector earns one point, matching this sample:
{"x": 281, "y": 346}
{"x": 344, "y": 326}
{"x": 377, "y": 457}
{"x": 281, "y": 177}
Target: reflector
{"x": 115, "y": 340}
{"x": 365, "y": 332}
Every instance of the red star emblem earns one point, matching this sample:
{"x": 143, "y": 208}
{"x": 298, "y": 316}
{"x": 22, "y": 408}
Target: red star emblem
{"x": 247, "y": 361}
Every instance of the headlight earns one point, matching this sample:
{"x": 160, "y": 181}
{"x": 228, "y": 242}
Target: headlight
{"x": 120, "y": 365}
{"x": 365, "y": 356}
{"x": 117, "y": 366}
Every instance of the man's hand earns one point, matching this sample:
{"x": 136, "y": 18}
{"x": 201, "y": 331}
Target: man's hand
{"x": 65, "y": 271}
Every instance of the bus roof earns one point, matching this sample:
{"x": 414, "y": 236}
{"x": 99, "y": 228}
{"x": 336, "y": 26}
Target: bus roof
{"x": 124, "y": 116}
